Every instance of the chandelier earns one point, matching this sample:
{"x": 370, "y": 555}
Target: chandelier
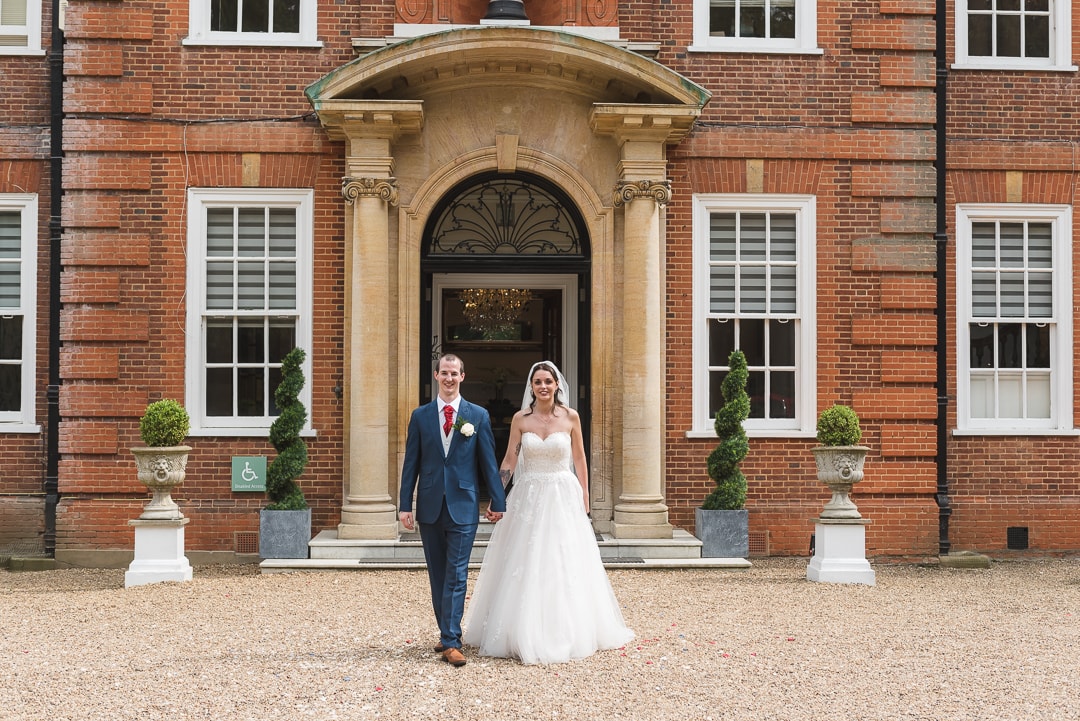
{"x": 493, "y": 309}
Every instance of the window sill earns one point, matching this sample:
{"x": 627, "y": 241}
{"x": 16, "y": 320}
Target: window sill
{"x": 757, "y": 433}
{"x": 243, "y": 432}
{"x": 21, "y": 51}
{"x": 1014, "y": 67}
{"x": 754, "y": 50}
{"x": 1016, "y": 432}
{"x": 19, "y": 428}
{"x": 251, "y": 42}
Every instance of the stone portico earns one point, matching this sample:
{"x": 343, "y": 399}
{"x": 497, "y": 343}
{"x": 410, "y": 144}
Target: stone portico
{"x": 418, "y": 118}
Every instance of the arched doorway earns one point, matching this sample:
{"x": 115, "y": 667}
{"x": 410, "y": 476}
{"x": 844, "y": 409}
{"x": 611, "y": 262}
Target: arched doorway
{"x": 504, "y": 283}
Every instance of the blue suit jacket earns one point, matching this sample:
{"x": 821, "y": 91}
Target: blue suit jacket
{"x": 456, "y": 476}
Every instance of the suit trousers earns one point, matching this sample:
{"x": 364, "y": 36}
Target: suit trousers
{"x": 447, "y": 548}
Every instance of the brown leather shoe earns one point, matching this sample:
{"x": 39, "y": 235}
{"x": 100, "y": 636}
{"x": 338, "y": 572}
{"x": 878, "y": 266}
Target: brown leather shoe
{"x": 454, "y": 657}
{"x": 438, "y": 647}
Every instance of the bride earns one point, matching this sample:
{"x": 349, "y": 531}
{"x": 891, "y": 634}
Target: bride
{"x": 543, "y": 595}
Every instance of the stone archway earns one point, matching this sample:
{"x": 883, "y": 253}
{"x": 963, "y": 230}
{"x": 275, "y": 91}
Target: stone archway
{"x": 419, "y": 117}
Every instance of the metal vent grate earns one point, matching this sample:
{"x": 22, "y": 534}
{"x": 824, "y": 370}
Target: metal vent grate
{"x": 1017, "y": 538}
{"x": 246, "y": 542}
{"x": 758, "y": 543}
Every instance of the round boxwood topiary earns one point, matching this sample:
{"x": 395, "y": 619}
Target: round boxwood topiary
{"x": 165, "y": 423}
{"x": 838, "y": 426}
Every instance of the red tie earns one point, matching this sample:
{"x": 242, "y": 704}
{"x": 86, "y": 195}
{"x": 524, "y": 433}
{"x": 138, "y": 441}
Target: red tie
{"x": 448, "y": 413}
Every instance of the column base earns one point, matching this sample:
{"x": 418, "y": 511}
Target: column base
{"x": 644, "y": 521}
{"x": 374, "y": 520}
{"x": 159, "y": 552}
{"x": 840, "y": 553}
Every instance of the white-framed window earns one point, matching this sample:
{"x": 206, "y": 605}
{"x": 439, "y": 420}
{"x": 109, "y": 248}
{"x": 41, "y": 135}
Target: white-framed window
{"x": 1014, "y": 34}
{"x": 279, "y": 23}
{"x": 18, "y": 311}
{"x": 249, "y": 302}
{"x": 1014, "y": 327}
{"x": 754, "y": 290}
{"x": 758, "y": 26}
{"x": 20, "y": 27}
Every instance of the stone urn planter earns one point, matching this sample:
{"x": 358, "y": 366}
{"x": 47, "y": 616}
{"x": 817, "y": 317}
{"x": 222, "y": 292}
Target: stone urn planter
{"x": 161, "y": 469}
{"x": 840, "y": 468}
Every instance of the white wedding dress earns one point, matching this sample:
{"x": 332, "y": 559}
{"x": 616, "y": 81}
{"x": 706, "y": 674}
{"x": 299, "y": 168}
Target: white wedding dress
{"x": 543, "y": 595}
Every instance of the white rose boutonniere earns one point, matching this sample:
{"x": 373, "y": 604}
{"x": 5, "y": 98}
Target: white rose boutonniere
{"x": 464, "y": 427}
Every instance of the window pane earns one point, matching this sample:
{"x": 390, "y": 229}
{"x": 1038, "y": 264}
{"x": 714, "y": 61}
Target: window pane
{"x": 11, "y": 388}
{"x": 1010, "y": 396}
{"x": 282, "y": 232}
{"x": 256, "y": 17}
{"x": 219, "y": 286}
{"x": 982, "y": 346}
{"x": 223, "y": 15}
{"x": 282, "y": 340}
{"x": 1038, "y": 346}
{"x": 722, "y": 237}
{"x": 1037, "y": 36}
{"x": 250, "y": 391}
{"x": 251, "y": 233}
{"x": 984, "y": 245}
{"x": 752, "y": 289}
{"x": 219, "y": 343}
{"x": 1040, "y": 245}
{"x": 782, "y": 237}
{"x": 219, "y": 232}
{"x": 1012, "y": 295}
{"x": 721, "y": 342}
{"x": 1038, "y": 395}
{"x": 249, "y": 343}
{"x": 219, "y": 392}
{"x": 10, "y": 235}
{"x": 1012, "y": 245}
{"x": 984, "y": 295}
{"x": 752, "y": 238}
{"x": 781, "y": 343}
{"x": 251, "y": 286}
{"x": 283, "y": 285}
{"x": 11, "y": 335}
{"x": 1008, "y": 36}
{"x": 722, "y": 18}
{"x": 1010, "y": 351}
{"x": 979, "y": 35}
{"x": 1040, "y": 295}
{"x": 782, "y": 398}
{"x": 722, "y": 289}
{"x": 751, "y": 20}
{"x": 10, "y": 285}
{"x": 286, "y": 16}
{"x": 13, "y": 12}
{"x": 716, "y": 396}
{"x": 755, "y": 388}
{"x": 275, "y": 381}
{"x": 783, "y": 289}
{"x": 752, "y": 340}
{"x": 982, "y": 396}
{"x": 782, "y": 21}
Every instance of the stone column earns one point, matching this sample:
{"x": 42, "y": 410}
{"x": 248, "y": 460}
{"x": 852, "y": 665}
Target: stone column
{"x": 369, "y": 512}
{"x": 369, "y": 128}
{"x": 641, "y": 511}
{"x": 642, "y": 133}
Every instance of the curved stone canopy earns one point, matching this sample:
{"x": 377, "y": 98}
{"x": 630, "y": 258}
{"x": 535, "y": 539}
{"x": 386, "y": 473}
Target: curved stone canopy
{"x": 524, "y": 57}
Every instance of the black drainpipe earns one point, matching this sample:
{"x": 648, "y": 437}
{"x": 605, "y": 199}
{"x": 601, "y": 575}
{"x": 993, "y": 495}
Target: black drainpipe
{"x": 941, "y": 241}
{"x": 56, "y": 189}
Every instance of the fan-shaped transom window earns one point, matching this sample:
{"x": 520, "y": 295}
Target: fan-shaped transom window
{"x": 502, "y": 216}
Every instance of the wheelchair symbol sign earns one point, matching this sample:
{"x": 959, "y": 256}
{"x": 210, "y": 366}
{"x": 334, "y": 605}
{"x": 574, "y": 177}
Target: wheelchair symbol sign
{"x": 249, "y": 473}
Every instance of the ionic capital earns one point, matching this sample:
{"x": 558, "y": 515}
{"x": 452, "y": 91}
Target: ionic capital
{"x": 383, "y": 188}
{"x": 627, "y": 191}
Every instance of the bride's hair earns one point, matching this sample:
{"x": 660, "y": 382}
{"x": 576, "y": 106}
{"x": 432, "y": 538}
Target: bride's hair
{"x": 544, "y": 366}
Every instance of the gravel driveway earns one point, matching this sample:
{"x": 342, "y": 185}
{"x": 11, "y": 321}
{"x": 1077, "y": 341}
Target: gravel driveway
{"x": 924, "y": 643}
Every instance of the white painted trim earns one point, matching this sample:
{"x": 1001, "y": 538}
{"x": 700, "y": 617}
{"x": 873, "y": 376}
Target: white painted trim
{"x": 26, "y": 204}
{"x": 805, "y": 40}
{"x": 199, "y": 32}
{"x": 1060, "y": 44}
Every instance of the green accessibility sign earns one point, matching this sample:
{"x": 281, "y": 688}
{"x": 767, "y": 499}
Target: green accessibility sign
{"x": 249, "y": 473}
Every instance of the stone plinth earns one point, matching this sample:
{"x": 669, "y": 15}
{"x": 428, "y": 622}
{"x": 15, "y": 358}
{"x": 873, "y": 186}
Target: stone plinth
{"x": 159, "y": 552}
{"x": 840, "y": 552}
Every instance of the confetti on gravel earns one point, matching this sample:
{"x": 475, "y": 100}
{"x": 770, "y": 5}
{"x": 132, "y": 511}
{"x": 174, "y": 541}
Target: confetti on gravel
{"x": 765, "y": 643}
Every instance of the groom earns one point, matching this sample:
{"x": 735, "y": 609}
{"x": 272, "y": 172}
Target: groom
{"x": 451, "y": 449}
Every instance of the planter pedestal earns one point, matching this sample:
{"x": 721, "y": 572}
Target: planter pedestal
{"x": 840, "y": 552}
{"x": 159, "y": 552}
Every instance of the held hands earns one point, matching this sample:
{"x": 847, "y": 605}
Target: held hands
{"x": 493, "y": 516}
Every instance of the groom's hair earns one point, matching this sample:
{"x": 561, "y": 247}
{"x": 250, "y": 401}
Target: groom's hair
{"x": 450, "y": 357}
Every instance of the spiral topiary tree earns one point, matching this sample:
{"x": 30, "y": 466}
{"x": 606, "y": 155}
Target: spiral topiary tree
{"x": 292, "y": 458}
{"x": 723, "y": 462}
